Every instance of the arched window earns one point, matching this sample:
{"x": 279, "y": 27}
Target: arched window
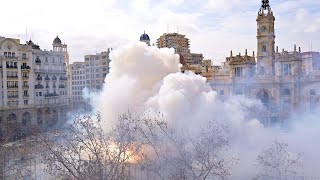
{"x": 26, "y": 119}
{"x": 263, "y": 96}
{"x": 312, "y": 92}
{"x": 264, "y": 48}
{"x": 285, "y": 92}
{"x": 12, "y": 121}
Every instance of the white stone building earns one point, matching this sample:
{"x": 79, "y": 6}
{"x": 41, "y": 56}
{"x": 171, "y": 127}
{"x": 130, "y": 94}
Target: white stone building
{"x": 283, "y": 81}
{"x": 34, "y": 84}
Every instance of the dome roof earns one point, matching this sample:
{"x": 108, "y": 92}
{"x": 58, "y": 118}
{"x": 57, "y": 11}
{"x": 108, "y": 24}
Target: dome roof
{"x": 57, "y": 40}
{"x": 144, "y": 37}
{"x": 30, "y": 42}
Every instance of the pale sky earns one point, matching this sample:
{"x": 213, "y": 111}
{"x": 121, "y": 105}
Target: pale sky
{"x": 214, "y": 27}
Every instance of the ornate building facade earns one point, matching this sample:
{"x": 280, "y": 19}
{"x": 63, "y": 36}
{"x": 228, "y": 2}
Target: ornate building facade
{"x": 34, "y": 85}
{"x": 283, "y": 81}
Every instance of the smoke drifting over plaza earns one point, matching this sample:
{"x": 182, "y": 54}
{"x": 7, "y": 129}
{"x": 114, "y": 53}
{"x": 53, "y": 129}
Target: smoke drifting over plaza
{"x": 215, "y": 89}
{"x": 147, "y": 79}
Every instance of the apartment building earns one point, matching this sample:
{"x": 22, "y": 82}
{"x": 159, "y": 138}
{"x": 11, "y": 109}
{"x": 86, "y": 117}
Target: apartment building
{"x": 88, "y": 75}
{"x": 34, "y": 84}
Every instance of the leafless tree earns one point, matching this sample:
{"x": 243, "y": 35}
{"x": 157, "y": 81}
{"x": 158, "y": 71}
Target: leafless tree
{"x": 278, "y": 163}
{"x": 85, "y": 151}
{"x": 179, "y": 154}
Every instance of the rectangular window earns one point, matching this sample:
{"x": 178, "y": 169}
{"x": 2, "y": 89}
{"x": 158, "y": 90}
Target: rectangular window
{"x": 312, "y": 92}
{"x": 238, "y": 71}
{"x": 286, "y": 69}
{"x": 24, "y": 56}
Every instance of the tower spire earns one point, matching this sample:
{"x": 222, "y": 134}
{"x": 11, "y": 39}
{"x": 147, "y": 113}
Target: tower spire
{"x": 265, "y": 4}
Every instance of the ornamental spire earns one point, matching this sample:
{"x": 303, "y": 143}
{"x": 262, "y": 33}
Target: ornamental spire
{"x": 265, "y": 4}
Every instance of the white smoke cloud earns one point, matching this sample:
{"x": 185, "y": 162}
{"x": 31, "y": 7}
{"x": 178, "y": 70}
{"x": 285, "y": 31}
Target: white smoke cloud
{"x": 144, "y": 78}
{"x": 136, "y": 73}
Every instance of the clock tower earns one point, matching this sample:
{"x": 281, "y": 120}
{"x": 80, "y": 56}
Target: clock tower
{"x": 266, "y": 40}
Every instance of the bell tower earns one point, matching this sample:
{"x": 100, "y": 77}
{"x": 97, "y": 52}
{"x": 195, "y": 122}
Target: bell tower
{"x": 266, "y": 40}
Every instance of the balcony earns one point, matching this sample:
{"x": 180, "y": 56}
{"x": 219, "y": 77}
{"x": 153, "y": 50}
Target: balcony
{"x": 25, "y": 96}
{"x": 54, "y": 78}
{"x": 39, "y": 78}
{"x": 12, "y": 67}
{"x": 12, "y": 87}
{"x": 46, "y": 70}
{"x": 8, "y": 57}
{"x": 47, "y": 78}
{"x": 13, "y": 96}
{"x": 47, "y": 86}
{"x": 25, "y": 86}
{"x": 62, "y": 86}
{"x": 25, "y": 67}
{"x": 63, "y": 78}
{"x": 38, "y": 86}
{"x": 13, "y": 77}
{"x": 51, "y": 95}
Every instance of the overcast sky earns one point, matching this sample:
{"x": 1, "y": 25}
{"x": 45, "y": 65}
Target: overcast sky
{"x": 214, "y": 27}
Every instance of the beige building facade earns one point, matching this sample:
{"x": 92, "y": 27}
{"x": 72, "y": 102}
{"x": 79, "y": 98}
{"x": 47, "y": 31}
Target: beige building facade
{"x": 181, "y": 45}
{"x": 283, "y": 81}
{"x": 88, "y": 76}
{"x": 34, "y": 84}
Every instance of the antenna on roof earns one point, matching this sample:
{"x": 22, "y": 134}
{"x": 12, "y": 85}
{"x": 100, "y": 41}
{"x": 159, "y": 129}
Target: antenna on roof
{"x": 26, "y": 34}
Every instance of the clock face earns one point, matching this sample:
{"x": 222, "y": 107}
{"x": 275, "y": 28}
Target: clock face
{"x": 263, "y": 29}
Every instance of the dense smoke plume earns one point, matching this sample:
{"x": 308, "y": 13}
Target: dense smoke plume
{"x": 144, "y": 78}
